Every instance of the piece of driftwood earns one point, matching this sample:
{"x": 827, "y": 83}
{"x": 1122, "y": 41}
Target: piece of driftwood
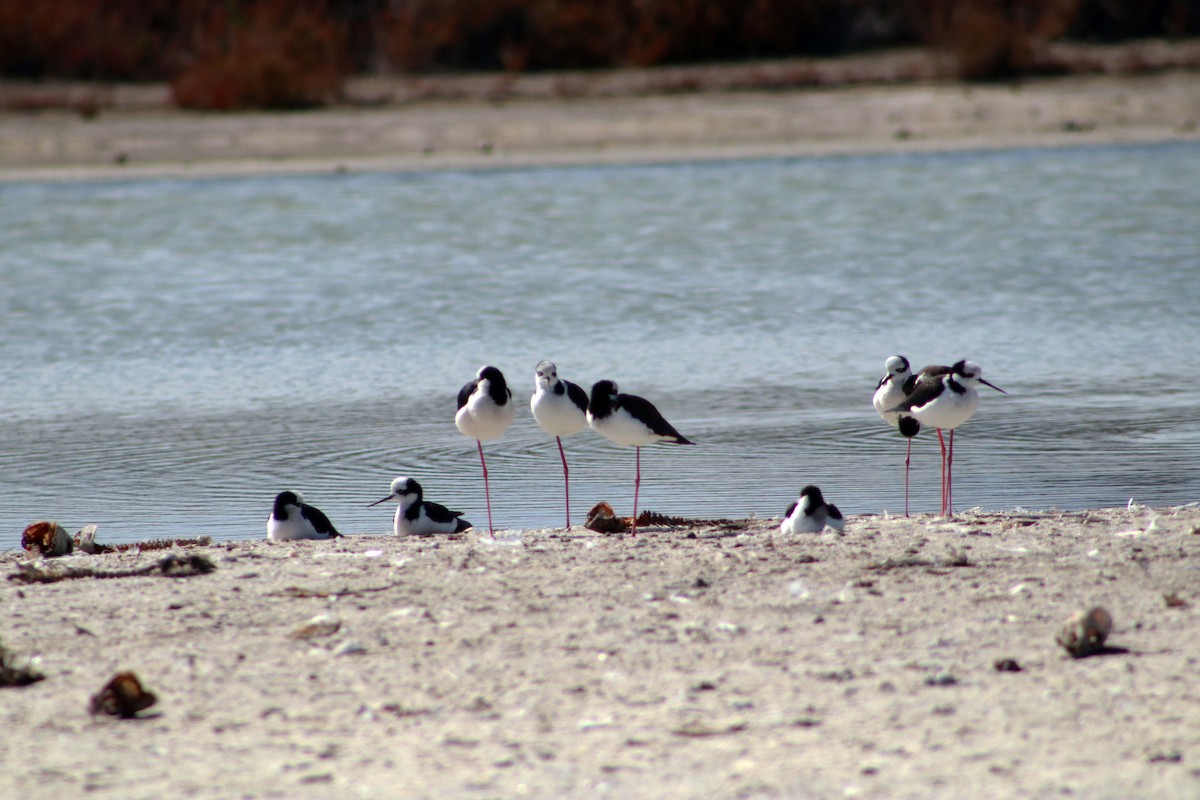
{"x": 172, "y": 566}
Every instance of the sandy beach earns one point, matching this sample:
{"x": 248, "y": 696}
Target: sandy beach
{"x": 722, "y": 660}
{"x": 609, "y": 118}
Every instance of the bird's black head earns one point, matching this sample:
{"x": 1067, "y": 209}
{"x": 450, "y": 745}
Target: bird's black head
{"x": 909, "y": 427}
{"x": 490, "y": 373}
{"x": 813, "y": 494}
{"x": 603, "y": 399}
{"x": 498, "y": 389}
{"x": 283, "y": 500}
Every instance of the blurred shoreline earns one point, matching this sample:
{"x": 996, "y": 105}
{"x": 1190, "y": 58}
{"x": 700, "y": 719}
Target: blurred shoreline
{"x": 888, "y": 102}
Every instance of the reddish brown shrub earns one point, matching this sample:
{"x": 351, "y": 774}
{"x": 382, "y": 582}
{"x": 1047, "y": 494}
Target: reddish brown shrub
{"x": 995, "y": 39}
{"x": 89, "y": 39}
{"x": 278, "y": 54}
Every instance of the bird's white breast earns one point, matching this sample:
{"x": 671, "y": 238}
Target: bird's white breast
{"x": 888, "y": 396}
{"x": 799, "y": 522}
{"x": 482, "y": 419}
{"x": 556, "y": 414}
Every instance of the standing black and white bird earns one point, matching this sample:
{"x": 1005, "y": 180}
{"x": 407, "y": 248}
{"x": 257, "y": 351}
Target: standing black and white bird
{"x": 485, "y": 410}
{"x": 945, "y": 397}
{"x": 810, "y": 514}
{"x": 418, "y": 517}
{"x": 560, "y": 408}
{"x": 291, "y": 519}
{"x": 629, "y": 421}
{"x": 890, "y": 393}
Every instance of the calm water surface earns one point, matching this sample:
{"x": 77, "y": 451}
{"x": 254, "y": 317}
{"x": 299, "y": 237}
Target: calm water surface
{"x": 176, "y": 352}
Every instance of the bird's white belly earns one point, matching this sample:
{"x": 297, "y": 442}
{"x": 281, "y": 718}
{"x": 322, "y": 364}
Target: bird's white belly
{"x": 290, "y": 529}
{"x": 799, "y": 522}
{"x": 621, "y": 428}
{"x": 484, "y": 421}
{"x": 420, "y": 527}
{"x": 557, "y": 415}
{"x": 948, "y": 411}
{"x": 887, "y": 397}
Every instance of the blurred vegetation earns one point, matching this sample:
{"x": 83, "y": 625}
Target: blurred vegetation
{"x": 226, "y": 54}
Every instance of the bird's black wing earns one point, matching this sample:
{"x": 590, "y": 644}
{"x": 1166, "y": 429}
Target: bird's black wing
{"x": 319, "y": 521}
{"x": 791, "y": 508}
{"x": 645, "y": 411}
{"x": 927, "y": 375}
{"x": 920, "y": 395}
{"x": 439, "y": 513}
{"x": 464, "y": 394}
{"x": 577, "y": 395}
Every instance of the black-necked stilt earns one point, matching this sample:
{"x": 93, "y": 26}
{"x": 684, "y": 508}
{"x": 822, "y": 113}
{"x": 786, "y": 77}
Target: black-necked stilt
{"x": 810, "y": 514}
{"x": 485, "y": 410}
{"x": 291, "y": 519}
{"x": 890, "y": 393}
{"x": 945, "y": 397}
{"x": 418, "y": 517}
{"x": 560, "y": 408}
{"x": 629, "y": 421}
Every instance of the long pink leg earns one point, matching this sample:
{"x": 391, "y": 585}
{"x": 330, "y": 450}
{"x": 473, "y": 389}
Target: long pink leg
{"x": 566, "y": 479}
{"x": 950, "y": 477}
{"x": 486, "y": 492}
{"x": 942, "y": 442}
{"x": 907, "y": 459}
{"x": 637, "y": 482}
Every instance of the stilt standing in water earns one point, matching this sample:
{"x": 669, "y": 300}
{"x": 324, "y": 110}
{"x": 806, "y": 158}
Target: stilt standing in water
{"x": 485, "y": 410}
{"x": 889, "y": 393}
{"x": 630, "y": 421}
{"x": 945, "y": 397}
{"x": 560, "y": 408}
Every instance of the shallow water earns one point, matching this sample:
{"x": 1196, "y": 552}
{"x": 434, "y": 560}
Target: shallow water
{"x": 176, "y": 352}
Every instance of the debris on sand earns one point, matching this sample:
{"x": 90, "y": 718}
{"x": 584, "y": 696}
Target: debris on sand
{"x": 1173, "y": 600}
{"x": 16, "y": 672}
{"x": 85, "y": 542}
{"x": 123, "y": 696}
{"x": 602, "y": 519}
{"x": 318, "y": 626}
{"x": 1085, "y": 632}
{"x": 47, "y": 538}
{"x": 172, "y": 566}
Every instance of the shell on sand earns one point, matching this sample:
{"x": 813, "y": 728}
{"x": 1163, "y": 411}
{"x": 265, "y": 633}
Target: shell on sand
{"x": 123, "y": 696}
{"x": 1085, "y": 632}
{"x": 603, "y": 519}
{"x": 47, "y": 538}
